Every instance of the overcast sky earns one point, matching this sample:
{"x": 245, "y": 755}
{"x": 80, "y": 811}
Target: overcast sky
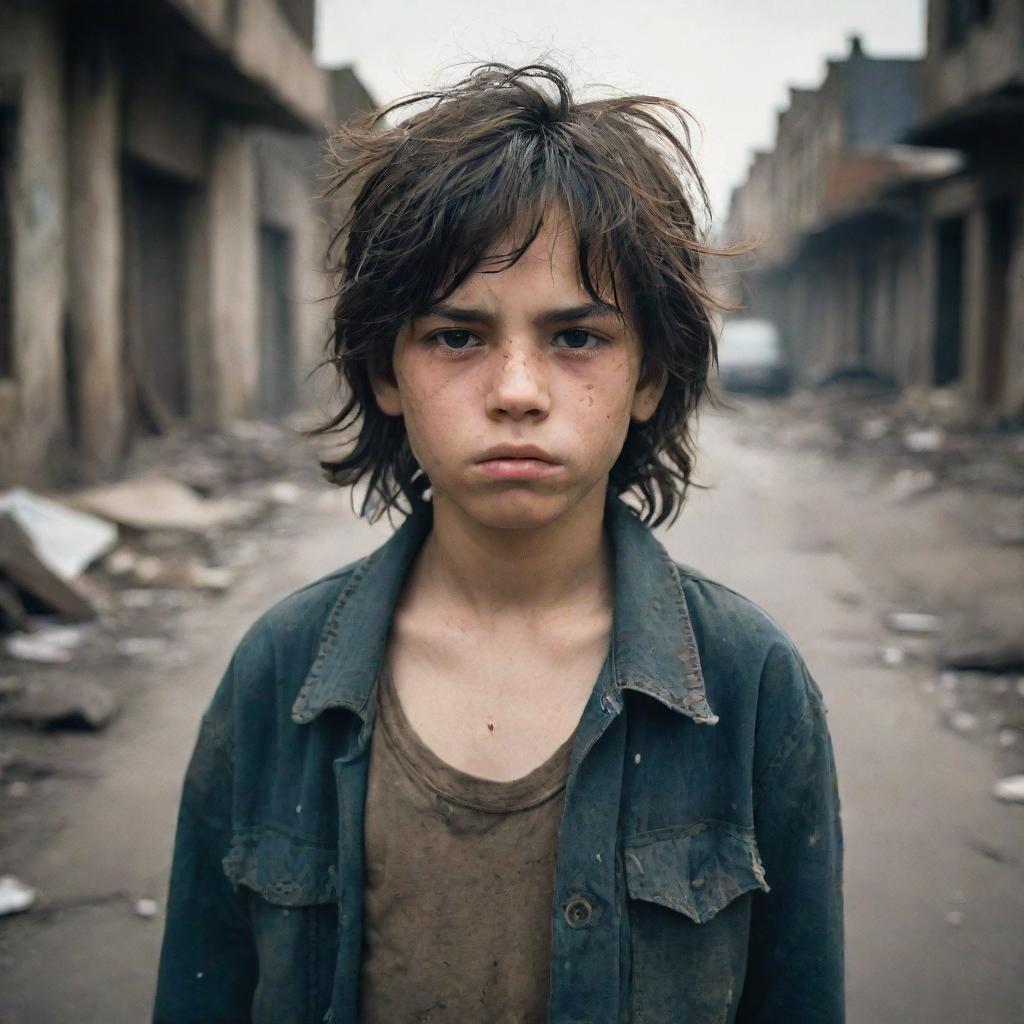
{"x": 728, "y": 61}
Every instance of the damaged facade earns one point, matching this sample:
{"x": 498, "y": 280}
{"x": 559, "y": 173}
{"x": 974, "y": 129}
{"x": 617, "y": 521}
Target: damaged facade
{"x": 158, "y": 243}
{"x": 888, "y": 216}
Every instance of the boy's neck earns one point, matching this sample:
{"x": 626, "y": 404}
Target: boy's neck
{"x": 488, "y": 571}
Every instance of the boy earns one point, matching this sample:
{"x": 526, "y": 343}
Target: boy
{"x": 517, "y": 764}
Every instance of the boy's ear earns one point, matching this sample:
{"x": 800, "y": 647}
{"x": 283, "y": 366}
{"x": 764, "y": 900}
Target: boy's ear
{"x": 648, "y": 394}
{"x": 385, "y": 391}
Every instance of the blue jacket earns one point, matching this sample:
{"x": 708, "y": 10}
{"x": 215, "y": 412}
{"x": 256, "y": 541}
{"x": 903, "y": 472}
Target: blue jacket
{"x": 699, "y": 863}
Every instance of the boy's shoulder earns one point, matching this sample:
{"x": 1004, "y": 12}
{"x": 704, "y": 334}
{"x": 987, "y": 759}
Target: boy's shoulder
{"x": 283, "y": 640}
{"x": 745, "y": 654}
{"x": 719, "y": 611}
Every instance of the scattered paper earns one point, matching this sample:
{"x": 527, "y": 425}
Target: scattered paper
{"x": 15, "y": 895}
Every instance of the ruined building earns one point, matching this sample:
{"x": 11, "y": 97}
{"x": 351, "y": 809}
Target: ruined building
{"x": 159, "y": 251}
{"x": 888, "y": 215}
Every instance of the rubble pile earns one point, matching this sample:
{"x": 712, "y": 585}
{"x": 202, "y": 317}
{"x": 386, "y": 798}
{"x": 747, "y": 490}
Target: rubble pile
{"x": 90, "y": 575}
{"x": 926, "y": 439}
{"x": 929, "y": 459}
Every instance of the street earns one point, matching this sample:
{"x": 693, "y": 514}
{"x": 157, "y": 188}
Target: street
{"x": 934, "y": 893}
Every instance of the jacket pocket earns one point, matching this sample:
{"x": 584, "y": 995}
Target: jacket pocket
{"x": 696, "y": 870}
{"x": 294, "y": 913}
{"x": 689, "y": 925}
{"x": 283, "y": 869}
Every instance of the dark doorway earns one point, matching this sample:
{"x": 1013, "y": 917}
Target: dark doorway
{"x": 949, "y": 302}
{"x": 277, "y": 359}
{"x": 1002, "y": 221}
{"x": 156, "y": 212}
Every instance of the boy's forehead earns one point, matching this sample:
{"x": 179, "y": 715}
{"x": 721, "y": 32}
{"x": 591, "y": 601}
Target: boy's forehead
{"x": 549, "y": 265}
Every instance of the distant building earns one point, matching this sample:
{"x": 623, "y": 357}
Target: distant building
{"x": 888, "y": 216}
{"x": 822, "y": 275}
{"x": 974, "y": 102}
{"x": 157, "y": 239}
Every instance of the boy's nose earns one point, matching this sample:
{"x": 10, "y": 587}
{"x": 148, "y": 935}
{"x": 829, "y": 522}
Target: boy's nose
{"x": 520, "y": 385}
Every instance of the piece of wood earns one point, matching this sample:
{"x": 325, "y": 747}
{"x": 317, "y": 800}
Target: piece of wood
{"x": 12, "y": 611}
{"x": 24, "y": 569}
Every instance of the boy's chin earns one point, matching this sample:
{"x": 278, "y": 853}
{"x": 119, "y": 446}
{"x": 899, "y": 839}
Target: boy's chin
{"x": 518, "y": 508}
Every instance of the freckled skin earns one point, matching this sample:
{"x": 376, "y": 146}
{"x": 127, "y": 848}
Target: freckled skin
{"x": 518, "y": 382}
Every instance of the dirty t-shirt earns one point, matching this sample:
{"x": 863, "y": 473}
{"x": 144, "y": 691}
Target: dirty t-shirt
{"x": 459, "y": 879}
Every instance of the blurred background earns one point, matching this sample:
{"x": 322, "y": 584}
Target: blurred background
{"x": 163, "y": 306}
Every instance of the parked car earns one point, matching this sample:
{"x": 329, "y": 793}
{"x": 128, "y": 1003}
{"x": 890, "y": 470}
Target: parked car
{"x": 751, "y": 357}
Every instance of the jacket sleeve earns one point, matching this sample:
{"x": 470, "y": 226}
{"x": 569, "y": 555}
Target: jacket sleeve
{"x": 795, "y": 961}
{"x": 208, "y": 962}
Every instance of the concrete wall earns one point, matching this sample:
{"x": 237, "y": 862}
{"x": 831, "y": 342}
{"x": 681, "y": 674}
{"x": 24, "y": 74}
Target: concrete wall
{"x": 231, "y": 230}
{"x": 256, "y": 36}
{"x": 33, "y": 430}
{"x": 970, "y": 198}
{"x": 165, "y": 124}
{"x": 95, "y": 263}
{"x": 287, "y": 187}
{"x": 117, "y": 140}
{"x": 1013, "y": 402}
{"x": 990, "y": 57}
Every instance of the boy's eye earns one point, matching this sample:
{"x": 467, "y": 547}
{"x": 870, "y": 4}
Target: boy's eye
{"x": 577, "y": 338}
{"x": 454, "y": 339}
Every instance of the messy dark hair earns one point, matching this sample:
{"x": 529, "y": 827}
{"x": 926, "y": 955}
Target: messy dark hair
{"x": 463, "y": 167}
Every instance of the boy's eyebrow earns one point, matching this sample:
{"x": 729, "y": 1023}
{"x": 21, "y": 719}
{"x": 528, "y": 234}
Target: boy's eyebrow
{"x": 465, "y": 314}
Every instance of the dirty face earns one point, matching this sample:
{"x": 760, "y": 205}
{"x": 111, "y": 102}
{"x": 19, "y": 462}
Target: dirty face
{"x": 518, "y": 389}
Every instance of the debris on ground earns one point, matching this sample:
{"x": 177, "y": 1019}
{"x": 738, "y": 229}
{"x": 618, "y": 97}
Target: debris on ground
{"x": 997, "y": 655}
{"x": 13, "y": 614}
{"x": 918, "y": 623}
{"x": 893, "y": 657}
{"x": 60, "y": 703}
{"x": 49, "y": 645}
{"x": 159, "y": 503}
{"x": 65, "y": 540}
{"x": 32, "y": 584}
{"x": 284, "y": 492}
{"x": 930, "y": 439}
{"x": 146, "y": 909}
{"x": 1010, "y": 535}
{"x": 1010, "y": 790}
{"x": 197, "y": 576}
{"x": 912, "y": 483}
{"x": 153, "y": 571}
{"x": 876, "y": 428}
{"x": 1008, "y": 737}
{"x": 136, "y": 646}
{"x": 15, "y": 895}
{"x": 962, "y": 721}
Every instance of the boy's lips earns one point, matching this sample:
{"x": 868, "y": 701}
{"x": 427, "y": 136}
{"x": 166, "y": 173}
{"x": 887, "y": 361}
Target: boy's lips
{"x": 518, "y": 469}
{"x": 518, "y": 462}
{"x": 517, "y": 451}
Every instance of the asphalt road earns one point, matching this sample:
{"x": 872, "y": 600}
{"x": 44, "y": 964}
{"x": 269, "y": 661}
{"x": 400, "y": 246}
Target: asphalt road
{"x": 925, "y": 842}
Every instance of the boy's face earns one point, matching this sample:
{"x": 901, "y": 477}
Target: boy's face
{"x": 513, "y": 359}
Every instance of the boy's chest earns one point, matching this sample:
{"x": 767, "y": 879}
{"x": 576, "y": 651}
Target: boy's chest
{"x": 490, "y": 709}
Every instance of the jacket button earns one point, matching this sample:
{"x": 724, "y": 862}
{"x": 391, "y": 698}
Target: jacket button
{"x": 578, "y": 912}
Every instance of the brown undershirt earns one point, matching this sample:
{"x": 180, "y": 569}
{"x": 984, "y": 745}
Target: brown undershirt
{"x": 458, "y": 888}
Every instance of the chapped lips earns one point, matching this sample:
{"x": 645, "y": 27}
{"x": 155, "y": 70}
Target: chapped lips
{"x": 506, "y": 451}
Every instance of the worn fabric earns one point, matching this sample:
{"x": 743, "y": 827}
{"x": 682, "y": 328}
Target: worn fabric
{"x": 458, "y": 883}
{"x": 698, "y": 874}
